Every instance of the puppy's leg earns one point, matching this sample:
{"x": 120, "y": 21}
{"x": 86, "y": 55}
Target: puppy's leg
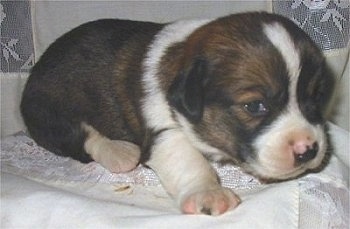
{"x": 188, "y": 176}
{"x": 116, "y": 156}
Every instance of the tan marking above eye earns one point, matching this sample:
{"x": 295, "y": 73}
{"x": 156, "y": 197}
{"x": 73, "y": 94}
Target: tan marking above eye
{"x": 247, "y": 96}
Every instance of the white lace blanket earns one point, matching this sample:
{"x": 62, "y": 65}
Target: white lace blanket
{"x": 314, "y": 201}
{"x": 22, "y": 156}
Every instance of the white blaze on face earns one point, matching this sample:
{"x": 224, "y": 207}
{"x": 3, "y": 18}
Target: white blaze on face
{"x": 274, "y": 147}
{"x": 281, "y": 39}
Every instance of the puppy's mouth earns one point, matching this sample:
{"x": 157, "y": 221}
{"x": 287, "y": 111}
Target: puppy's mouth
{"x": 286, "y": 162}
{"x": 275, "y": 170}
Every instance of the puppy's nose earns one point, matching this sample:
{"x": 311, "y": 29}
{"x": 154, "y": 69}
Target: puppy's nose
{"x": 304, "y": 152}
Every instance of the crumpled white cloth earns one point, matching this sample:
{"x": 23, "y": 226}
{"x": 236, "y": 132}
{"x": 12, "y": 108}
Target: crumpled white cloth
{"x": 42, "y": 190}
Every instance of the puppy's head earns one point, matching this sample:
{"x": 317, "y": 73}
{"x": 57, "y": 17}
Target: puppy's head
{"x": 255, "y": 87}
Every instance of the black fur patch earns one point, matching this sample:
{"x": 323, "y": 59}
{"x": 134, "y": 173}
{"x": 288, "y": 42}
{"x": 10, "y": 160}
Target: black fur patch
{"x": 75, "y": 81}
{"x": 148, "y": 143}
{"x": 187, "y": 92}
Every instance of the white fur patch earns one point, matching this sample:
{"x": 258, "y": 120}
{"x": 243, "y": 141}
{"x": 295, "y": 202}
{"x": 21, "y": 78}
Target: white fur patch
{"x": 115, "y": 155}
{"x": 281, "y": 39}
{"x": 181, "y": 168}
{"x": 155, "y": 107}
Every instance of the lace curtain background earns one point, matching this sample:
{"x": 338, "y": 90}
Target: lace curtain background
{"x": 17, "y": 51}
{"x": 326, "y": 21}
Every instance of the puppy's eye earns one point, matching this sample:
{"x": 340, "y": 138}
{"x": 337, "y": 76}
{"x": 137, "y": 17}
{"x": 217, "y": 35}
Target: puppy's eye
{"x": 256, "y": 108}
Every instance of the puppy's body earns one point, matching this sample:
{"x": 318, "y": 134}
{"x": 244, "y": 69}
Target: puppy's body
{"x": 249, "y": 87}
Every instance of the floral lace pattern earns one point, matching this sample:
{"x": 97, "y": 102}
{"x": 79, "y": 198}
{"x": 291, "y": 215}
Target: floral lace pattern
{"x": 17, "y": 50}
{"x": 326, "y": 205}
{"x": 326, "y": 21}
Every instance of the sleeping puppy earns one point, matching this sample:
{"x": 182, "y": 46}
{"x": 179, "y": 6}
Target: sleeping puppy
{"x": 251, "y": 88}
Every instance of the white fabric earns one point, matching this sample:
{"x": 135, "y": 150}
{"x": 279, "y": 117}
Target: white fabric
{"x": 52, "y": 18}
{"x": 41, "y": 190}
{"x": 12, "y": 85}
{"x": 33, "y": 205}
{"x": 342, "y": 99}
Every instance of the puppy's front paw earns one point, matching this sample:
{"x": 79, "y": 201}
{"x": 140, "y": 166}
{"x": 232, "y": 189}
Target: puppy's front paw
{"x": 211, "y": 202}
{"x": 119, "y": 156}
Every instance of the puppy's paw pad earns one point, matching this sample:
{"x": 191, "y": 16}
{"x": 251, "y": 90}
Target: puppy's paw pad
{"x": 211, "y": 202}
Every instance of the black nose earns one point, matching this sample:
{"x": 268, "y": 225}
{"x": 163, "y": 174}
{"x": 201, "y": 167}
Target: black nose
{"x": 308, "y": 155}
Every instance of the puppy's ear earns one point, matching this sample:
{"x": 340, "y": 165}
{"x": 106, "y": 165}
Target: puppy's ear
{"x": 186, "y": 93}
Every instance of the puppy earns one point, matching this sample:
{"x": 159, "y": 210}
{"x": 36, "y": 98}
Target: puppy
{"x": 251, "y": 88}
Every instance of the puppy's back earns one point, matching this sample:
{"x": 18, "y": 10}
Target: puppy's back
{"x": 80, "y": 78}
